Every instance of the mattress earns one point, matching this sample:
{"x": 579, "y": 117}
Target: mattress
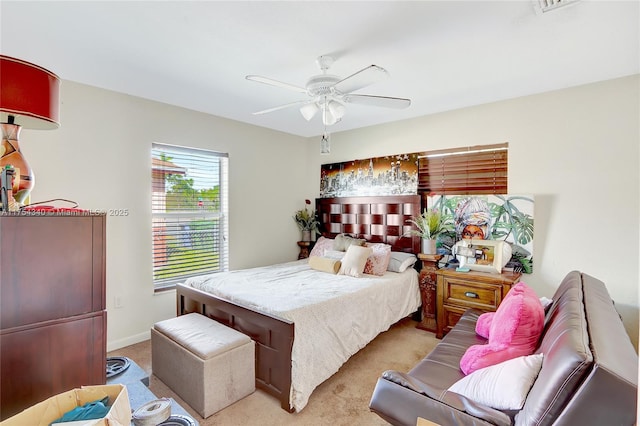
{"x": 334, "y": 315}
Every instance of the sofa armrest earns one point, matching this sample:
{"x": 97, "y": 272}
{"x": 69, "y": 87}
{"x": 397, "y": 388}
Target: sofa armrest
{"x": 452, "y": 399}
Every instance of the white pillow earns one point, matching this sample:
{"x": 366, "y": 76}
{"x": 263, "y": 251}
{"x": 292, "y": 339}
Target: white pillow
{"x": 334, "y": 254}
{"x": 503, "y": 386}
{"x": 400, "y": 261}
{"x": 354, "y": 260}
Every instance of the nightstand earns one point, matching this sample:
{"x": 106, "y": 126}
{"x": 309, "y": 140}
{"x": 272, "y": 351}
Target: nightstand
{"x": 427, "y": 283}
{"x": 459, "y": 291}
{"x": 305, "y": 247}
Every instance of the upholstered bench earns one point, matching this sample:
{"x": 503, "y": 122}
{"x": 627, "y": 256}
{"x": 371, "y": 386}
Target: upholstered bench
{"x": 210, "y": 366}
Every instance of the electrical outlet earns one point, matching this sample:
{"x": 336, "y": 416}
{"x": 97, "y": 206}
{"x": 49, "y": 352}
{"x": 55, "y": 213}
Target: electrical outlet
{"x": 117, "y": 302}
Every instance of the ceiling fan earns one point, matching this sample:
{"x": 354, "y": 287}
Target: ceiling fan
{"x": 329, "y": 93}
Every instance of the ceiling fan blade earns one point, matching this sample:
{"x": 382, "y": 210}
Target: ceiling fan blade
{"x": 381, "y": 101}
{"x": 276, "y": 83}
{"x": 264, "y": 111}
{"x": 360, "y": 79}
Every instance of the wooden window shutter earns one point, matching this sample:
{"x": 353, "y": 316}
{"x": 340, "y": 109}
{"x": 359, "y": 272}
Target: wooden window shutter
{"x": 466, "y": 171}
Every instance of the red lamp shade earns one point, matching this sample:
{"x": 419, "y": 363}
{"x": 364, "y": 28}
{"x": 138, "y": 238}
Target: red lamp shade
{"x": 29, "y": 93}
{"x": 30, "y": 98}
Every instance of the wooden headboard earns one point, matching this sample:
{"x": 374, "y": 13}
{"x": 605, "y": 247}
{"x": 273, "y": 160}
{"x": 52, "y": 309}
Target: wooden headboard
{"x": 381, "y": 219}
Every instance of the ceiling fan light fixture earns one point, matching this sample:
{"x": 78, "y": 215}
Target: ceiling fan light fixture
{"x": 329, "y": 93}
{"x": 309, "y": 110}
{"x": 337, "y": 109}
{"x": 328, "y": 119}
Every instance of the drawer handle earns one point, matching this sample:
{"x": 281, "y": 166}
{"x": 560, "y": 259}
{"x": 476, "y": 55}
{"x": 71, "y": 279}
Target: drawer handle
{"x": 471, "y": 294}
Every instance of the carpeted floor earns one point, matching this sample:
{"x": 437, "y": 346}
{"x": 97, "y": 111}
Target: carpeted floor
{"x": 341, "y": 400}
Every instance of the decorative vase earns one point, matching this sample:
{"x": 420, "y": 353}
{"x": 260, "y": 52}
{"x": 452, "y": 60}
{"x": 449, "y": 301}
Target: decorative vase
{"x": 428, "y": 246}
{"x": 10, "y": 154}
{"x": 306, "y": 235}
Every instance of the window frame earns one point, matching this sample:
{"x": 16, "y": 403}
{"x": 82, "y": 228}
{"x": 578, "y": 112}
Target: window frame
{"x": 160, "y": 169}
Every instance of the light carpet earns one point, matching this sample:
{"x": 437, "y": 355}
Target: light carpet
{"x": 343, "y": 399}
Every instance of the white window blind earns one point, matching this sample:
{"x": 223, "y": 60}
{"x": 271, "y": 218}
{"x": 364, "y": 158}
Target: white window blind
{"x": 189, "y": 213}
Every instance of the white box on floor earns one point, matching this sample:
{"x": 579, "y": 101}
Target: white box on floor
{"x": 210, "y": 366}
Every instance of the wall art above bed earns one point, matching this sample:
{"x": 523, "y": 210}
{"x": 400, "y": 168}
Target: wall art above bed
{"x": 390, "y": 175}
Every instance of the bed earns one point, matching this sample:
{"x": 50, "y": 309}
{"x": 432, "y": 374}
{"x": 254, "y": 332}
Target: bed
{"x": 299, "y": 344}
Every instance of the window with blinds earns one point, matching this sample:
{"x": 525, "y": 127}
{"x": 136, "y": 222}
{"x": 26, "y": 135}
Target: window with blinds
{"x": 189, "y": 213}
{"x": 466, "y": 171}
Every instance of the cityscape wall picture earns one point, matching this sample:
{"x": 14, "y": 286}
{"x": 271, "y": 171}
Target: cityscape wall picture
{"x": 390, "y": 175}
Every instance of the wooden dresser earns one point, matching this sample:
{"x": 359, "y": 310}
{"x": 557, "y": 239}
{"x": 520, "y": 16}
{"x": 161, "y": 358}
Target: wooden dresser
{"x": 52, "y": 306}
{"x": 459, "y": 291}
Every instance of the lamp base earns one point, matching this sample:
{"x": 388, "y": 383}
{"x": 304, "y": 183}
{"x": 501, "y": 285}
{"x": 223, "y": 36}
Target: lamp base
{"x": 24, "y": 179}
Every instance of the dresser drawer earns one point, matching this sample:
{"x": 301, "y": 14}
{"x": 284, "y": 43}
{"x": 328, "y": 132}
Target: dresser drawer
{"x": 450, "y": 316}
{"x": 472, "y": 295}
{"x": 458, "y": 291}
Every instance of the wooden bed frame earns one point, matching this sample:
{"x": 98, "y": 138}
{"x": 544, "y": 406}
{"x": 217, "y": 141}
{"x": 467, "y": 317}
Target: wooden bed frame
{"x": 377, "y": 219}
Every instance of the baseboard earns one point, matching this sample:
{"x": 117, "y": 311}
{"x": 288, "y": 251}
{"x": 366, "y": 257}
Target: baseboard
{"x": 131, "y": 340}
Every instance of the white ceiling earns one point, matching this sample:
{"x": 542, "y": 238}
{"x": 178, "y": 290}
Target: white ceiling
{"x": 442, "y": 55}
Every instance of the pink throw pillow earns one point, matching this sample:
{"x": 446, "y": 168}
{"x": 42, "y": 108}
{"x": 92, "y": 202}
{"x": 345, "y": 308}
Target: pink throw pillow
{"x": 321, "y": 245}
{"x": 484, "y": 323}
{"x": 378, "y": 262}
{"x": 514, "y": 330}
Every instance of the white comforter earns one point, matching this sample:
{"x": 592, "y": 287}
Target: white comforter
{"x": 335, "y": 315}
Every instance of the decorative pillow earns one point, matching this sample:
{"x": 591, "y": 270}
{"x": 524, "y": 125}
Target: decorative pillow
{"x": 484, "y": 323}
{"x": 343, "y": 241}
{"x": 324, "y": 264}
{"x": 514, "y": 331}
{"x": 399, "y": 261}
{"x": 354, "y": 260}
{"x": 378, "y": 262}
{"x": 503, "y": 386}
{"x": 320, "y": 246}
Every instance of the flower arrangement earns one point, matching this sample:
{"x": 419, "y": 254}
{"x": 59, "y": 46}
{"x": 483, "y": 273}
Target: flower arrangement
{"x": 431, "y": 223}
{"x": 306, "y": 219}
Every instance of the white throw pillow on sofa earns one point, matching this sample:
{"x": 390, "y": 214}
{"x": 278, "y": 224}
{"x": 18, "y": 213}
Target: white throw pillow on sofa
{"x": 503, "y": 386}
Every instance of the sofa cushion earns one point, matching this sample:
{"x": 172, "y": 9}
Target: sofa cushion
{"x": 503, "y": 386}
{"x": 441, "y": 367}
{"x": 514, "y": 331}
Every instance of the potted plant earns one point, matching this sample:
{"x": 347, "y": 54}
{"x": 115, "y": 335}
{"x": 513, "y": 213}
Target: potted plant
{"x": 307, "y": 221}
{"x": 430, "y": 224}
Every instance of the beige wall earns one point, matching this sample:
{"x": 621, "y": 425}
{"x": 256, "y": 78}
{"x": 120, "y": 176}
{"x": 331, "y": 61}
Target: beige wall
{"x": 100, "y": 157}
{"x": 575, "y": 150}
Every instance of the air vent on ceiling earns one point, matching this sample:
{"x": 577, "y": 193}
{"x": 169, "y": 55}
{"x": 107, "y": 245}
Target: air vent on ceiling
{"x": 549, "y": 5}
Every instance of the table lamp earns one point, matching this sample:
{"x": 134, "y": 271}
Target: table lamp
{"x": 29, "y": 98}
